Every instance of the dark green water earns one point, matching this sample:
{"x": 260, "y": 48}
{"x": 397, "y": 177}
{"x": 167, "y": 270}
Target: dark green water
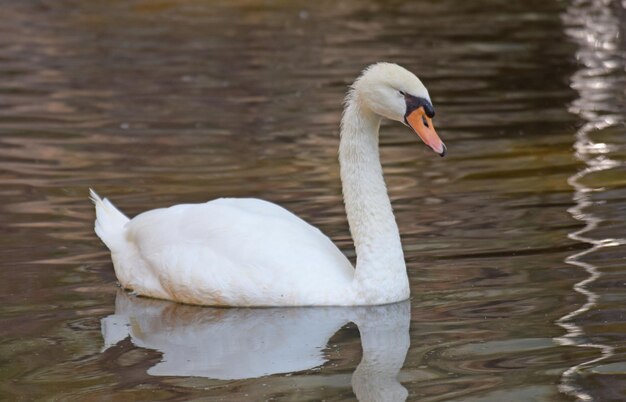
{"x": 515, "y": 242}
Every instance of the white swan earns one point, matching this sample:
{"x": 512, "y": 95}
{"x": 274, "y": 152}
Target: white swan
{"x": 249, "y": 252}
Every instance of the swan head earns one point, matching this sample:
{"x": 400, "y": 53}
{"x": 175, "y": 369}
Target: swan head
{"x": 393, "y": 92}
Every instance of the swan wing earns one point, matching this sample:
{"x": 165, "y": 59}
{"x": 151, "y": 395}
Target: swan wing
{"x": 233, "y": 252}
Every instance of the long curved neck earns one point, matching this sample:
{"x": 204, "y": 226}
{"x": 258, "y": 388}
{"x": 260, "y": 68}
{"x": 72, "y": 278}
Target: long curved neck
{"x": 380, "y": 269}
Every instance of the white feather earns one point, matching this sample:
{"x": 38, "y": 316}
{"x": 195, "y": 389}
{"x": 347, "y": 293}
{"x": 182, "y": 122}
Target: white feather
{"x": 109, "y": 225}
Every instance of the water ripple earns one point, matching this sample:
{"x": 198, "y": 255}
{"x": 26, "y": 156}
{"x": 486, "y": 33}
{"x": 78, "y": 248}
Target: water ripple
{"x": 594, "y": 26}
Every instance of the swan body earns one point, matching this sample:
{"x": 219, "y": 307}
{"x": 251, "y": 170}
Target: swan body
{"x": 250, "y": 252}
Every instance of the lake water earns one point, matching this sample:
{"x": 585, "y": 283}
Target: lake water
{"x": 515, "y": 242}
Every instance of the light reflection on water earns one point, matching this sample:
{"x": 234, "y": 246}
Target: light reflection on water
{"x": 594, "y": 26}
{"x": 158, "y": 103}
{"x": 235, "y": 344}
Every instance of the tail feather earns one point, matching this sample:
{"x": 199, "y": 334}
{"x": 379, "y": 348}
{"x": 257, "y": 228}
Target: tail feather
{"x": 109, "y": 225}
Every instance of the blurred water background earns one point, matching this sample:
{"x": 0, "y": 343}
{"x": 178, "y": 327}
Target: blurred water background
{"x": 515, "y": 242}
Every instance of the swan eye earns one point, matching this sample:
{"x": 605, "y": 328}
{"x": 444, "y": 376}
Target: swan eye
{"x": 402, "y": 93}
{"x": 425, "y": 121}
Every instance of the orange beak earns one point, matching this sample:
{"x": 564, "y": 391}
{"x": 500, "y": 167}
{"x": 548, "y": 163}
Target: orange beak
{"x": 423, "y": 126}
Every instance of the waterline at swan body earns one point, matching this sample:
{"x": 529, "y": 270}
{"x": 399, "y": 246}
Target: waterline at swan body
{"x": 249, "y": 252}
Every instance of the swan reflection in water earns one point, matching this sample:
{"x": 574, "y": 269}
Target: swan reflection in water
{"x": 243, "y": 343}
